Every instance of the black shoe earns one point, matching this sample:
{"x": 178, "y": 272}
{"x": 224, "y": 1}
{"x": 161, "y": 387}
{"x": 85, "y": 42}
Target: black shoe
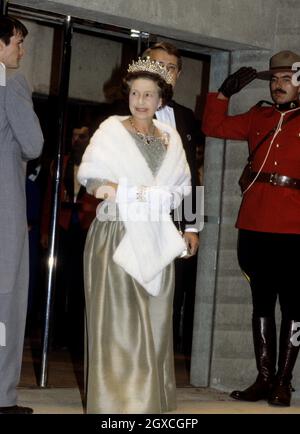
{"x": 281, "y": 395}
{"x": 264, "y": 339}
{"x": 288, "y": 352}
{"x": 258, "y": 390}
{"x": 16, "y": 409}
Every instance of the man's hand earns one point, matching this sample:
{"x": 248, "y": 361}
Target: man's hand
{"x": 192, "y": 241}
{"x": 235, "y": 82}
{"x": 44, "y": 241}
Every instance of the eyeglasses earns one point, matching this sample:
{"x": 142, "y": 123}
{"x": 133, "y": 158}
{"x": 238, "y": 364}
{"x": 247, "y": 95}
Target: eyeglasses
{"x": 171, "y": 67}
{"x": 80, "y": 136}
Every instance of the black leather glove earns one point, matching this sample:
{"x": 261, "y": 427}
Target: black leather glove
{"x": 235, "y": 82}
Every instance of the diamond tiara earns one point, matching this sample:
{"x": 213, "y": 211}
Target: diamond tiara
{"x": 151, "y": 66}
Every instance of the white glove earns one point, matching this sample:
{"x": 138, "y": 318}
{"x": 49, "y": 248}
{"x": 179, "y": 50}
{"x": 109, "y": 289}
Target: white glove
{"x": 158, "y": 198}
{"x": 126, "y": 194}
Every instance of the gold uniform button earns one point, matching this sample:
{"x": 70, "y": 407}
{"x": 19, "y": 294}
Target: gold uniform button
{"x": 275, "y": 163}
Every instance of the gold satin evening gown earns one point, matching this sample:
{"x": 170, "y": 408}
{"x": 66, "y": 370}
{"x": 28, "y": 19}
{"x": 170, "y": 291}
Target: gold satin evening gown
{"x": 130, "y": 362}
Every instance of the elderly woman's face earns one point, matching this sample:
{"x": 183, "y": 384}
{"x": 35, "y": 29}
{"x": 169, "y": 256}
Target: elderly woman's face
{"x": 144, "y": 98}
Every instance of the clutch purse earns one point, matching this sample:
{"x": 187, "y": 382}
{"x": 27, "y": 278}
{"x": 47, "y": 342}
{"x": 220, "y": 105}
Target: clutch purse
{"x": 186, "y": 252}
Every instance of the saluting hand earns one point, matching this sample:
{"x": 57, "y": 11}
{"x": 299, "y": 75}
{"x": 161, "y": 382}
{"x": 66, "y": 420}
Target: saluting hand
{"x": 236, "y": 81}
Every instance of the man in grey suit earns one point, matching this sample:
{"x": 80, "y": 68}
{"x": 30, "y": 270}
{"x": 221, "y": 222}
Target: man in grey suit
{"x": 21, "y": 140}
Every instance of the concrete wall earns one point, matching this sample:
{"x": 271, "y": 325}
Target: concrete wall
{"x": 288, "y": 25}
{"x": 222, "y": 24}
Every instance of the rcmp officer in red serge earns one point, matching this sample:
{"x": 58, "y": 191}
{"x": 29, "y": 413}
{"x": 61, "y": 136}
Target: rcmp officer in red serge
{"x": 269, "y": 217}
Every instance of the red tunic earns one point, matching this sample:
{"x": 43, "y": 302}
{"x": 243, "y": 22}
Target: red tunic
{"x": 264, "y": 207}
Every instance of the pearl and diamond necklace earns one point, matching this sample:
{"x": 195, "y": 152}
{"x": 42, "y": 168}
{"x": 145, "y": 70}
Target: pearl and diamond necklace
{"x": 146, "y": 138}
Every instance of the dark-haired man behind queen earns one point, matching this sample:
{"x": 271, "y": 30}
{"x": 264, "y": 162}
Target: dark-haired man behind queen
{"x": 183, "y": 119}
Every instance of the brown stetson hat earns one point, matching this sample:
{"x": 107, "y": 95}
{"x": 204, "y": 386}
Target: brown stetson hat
{"x": 280, "y": 62}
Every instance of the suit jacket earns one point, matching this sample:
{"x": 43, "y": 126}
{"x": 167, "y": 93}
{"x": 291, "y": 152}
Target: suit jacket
{"x": 189, "y": 130}
{"x": 21, "y": 139}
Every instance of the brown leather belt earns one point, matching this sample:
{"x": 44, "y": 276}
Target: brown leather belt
{"x": 277, "y": 180}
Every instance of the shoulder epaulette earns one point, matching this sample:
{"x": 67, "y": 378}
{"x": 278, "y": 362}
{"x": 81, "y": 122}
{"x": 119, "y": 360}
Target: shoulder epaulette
{"x": 262, "y": 102}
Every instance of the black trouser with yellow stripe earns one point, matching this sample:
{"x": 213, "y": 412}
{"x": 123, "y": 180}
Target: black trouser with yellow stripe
{"x": 272, "y": 263}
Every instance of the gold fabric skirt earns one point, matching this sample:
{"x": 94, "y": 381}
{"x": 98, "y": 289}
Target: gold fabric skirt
{"x": 129, "y": 333}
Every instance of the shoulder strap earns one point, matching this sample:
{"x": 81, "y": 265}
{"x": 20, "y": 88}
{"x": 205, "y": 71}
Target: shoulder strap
{"x": 272, "y": 131}
{"x": 262, "y": 102}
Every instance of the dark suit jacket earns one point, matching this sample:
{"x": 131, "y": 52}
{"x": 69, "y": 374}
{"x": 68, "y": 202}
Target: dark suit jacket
{"x": 189, "y": 130}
